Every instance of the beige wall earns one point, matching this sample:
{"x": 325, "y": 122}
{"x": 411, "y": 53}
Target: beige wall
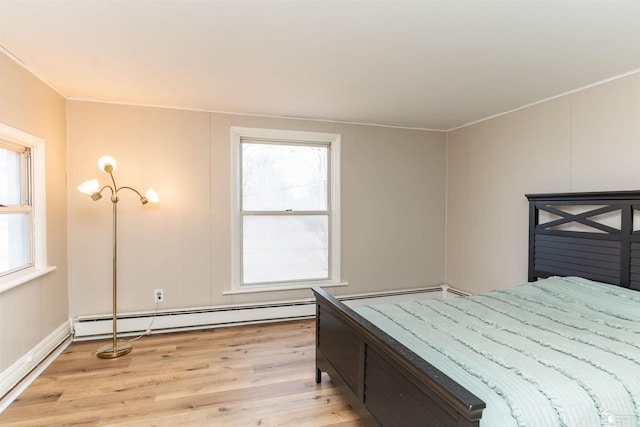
{"x": 30, "y": 312}
{"x": 393, "y": 207}
{"x": 586, "y": 141}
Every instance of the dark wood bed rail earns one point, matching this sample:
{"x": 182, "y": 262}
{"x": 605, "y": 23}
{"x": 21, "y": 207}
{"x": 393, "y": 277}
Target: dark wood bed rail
{"x": 385, "y": 382}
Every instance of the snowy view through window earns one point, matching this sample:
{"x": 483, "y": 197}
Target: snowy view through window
{"x": 14, "y": 226}
{"x": 285, "y": 212}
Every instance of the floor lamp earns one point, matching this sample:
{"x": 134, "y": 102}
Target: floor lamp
{"x": 92, "y": 188}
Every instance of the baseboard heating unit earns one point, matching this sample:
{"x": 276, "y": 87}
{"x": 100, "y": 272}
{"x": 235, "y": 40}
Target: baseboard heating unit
{"x": 99, "y": 327}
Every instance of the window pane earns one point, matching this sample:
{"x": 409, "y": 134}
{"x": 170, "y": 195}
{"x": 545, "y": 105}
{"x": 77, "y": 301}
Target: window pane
{"x": 283, "y": 177}
{"x": 285, "y": 248}
{"x": 9, "y": 177}
{"x": 14, "y": 242}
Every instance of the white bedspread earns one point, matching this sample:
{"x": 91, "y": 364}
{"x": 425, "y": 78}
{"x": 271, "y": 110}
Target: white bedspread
{"x": 557, "y": 352}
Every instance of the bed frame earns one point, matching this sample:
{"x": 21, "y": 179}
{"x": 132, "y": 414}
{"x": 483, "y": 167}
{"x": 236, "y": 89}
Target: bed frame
{"x": 388, "y": 384}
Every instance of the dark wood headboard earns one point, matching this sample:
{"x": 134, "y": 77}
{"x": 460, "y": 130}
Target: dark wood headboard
{"x": 573, "y": 240}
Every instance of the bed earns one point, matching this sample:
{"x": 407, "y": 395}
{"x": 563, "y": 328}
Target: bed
{"x": 581, "y": 246}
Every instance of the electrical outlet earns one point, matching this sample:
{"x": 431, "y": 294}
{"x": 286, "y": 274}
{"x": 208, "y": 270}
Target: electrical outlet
{"x": 158, "y": 295}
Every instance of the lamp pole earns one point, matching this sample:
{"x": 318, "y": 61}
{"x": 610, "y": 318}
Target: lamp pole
{"x": 127, "y": 348}
{"x": 113, "y": 350}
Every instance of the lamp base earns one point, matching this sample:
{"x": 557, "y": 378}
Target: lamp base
{"x": 108, "y": 352}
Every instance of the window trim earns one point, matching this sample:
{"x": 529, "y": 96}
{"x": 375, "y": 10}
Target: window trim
{"x": 238, "y": 133}
{"x": 40, "y": 267}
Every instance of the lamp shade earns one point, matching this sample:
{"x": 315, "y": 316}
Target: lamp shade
{"x": 104, "y": 161}
{"x": 89, "y": 187}
{"x": 152, "y": 196}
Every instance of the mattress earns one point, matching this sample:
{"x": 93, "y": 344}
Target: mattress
{"x": 556, "y": 352}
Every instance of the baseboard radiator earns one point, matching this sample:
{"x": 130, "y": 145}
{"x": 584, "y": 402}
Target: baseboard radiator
{"x": 99, "y": 327}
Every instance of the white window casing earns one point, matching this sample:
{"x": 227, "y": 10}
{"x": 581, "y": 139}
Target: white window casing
{"x": 13, "y": 138}
{"x": 275, "y": 137}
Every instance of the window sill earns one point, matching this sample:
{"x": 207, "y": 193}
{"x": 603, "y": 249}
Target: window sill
{"x": 24, "y": 276}
{"x": 297, "y": 286}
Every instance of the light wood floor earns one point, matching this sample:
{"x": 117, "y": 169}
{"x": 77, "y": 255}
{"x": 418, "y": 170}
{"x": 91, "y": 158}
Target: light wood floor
{"x": 260, "y": 375}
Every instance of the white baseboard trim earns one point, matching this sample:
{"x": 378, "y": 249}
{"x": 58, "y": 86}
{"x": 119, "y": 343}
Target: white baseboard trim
{"x": 99, "y": 327}
{"x": 17, "y": 377}
{"x": 90, "y": 328}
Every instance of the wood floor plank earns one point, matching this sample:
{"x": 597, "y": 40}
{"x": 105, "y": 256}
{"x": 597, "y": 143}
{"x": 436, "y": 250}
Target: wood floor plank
{"x": 262, "y": 375}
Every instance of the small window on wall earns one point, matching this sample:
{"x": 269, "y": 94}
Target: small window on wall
{"x": 16, "y": 243}
{"x": 286, "y": 213}
{"x": 23, "y": 255}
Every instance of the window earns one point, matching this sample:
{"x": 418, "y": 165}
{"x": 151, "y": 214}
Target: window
{"x": 23, "y": 254}
{"x": 286, "y": 213}
{"x": 16, "y": 248}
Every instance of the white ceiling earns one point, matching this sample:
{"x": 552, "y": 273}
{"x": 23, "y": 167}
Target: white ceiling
{"x": 425, "y": 64}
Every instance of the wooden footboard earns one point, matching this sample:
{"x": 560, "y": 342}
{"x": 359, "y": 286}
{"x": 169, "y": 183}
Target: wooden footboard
{"x": 384, "y": 381}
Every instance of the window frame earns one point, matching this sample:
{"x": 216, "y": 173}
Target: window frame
{"x": 24, "y": 206}
{"x": 286, "y": 137}
{"x": 37, "y": 224}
